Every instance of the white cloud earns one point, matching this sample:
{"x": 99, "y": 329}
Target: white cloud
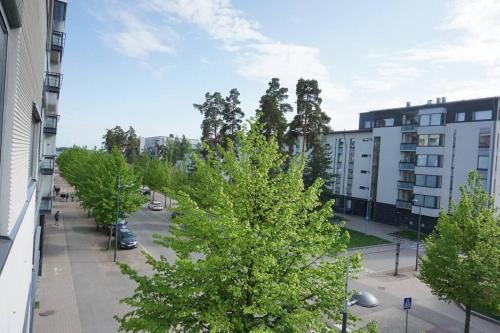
{"x": 134, "y": 38}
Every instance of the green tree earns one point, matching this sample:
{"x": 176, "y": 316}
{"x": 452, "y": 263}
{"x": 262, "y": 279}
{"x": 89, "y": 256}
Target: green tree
{"x": 212, "y": 110}
{"x": 462, "y": 260}
{"x": 272, "y": 112}
{"x": 115, "y": 138}
{"x": 132, "y": 145}
{"x": 319, "y": 165}
{"x": 310, "y": 123}
{"x": 259, "y": 240}
{"x": 232, "y": 116}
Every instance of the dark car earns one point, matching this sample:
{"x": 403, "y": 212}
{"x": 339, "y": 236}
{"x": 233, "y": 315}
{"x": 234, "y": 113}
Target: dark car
{"x": 122, "y": 224}
{"x": 126, "y": 239}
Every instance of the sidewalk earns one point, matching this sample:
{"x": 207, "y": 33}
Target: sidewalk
{"x": 81, "y": 286}
{"x": 370, "y": 227}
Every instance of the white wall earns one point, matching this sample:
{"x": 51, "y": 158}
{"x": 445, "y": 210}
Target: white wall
{"x": 388, "y": 169}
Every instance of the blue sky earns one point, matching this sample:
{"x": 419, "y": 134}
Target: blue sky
{"x": 145, "y": 62}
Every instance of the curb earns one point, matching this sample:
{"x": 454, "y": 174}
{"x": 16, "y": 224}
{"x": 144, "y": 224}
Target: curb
{"x": 480, "y": 315}
{"x": 369, "y": 246}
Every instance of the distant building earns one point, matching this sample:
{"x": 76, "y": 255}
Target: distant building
{"x": 152, "y": 144}
{"x": 405, "y": 161}
{"x": 31, "y": 44}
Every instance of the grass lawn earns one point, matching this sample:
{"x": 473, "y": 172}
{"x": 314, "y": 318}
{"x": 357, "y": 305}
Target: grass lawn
{"x": 487, "y": 312}
{"x": 409, "y": 234}
{"x": 359, "y": 239}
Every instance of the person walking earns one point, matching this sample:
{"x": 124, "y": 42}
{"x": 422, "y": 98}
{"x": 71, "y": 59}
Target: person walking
{"x": 57, "y": 215}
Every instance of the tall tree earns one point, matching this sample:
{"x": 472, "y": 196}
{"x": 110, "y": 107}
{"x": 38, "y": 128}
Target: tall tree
{"x": 272, "y": 111}
{"x": 310, "y": 123}
{"x": 462, "y": 260}
{"x": 132, "y": 145}
{"x": 261, "y": 238}
{"x": 212, "y": 110}
{"x": 232, "y": 116}
{"x": 319, "y": 165}
{"x": 115, "y": 138}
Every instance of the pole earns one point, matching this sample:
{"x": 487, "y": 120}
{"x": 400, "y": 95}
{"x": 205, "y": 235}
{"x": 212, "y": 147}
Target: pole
{"x": 117, "y": 214}
{"x": 344, "y": 314}
{"x": 398, "y": 247}
{"x": 406, "y": 330}
{"x": 418, "y": 236}
{"x": 368, "y": 202}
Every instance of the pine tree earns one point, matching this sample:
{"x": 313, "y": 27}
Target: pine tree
{"x": 310, "y": 123}
{"x": 462, "y": 260}
{"x": 212, "y": 110}
{"x": 232, "y": 116}
{"x": 319, "y": 165}
{"x": 272, "y": 111}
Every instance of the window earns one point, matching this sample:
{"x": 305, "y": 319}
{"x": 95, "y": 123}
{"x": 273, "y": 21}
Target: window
{"x": 368, "y": 124}
{"x": 363, "y": 188}
{"x": 366, "y": 139}
{"x": 484, "y": 140}
{"x": 432, "y": 140}
{"x": 482, "y": 115}
{"x": 364, "y": 171}
{"x": 349, "y": 204}
{"x": 434, "y": 119}
{"x": 34, "y": 148}
{"x": 483, "y": 162}
{"x": 429, "y": 160}
{"x": 384, "y": 122}
{"x": 59, "y": 11}
{"x": 428, "y": 181}
{"x": 460, "y": 116}
{"x": 427, "y": 201}
{"x": 365, "y": 155}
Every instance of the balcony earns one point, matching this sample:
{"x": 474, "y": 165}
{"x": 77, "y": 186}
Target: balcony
{"x": 406, "y": 166}
{"x": 409, "y": 128}
{"x": 58, "y": 40}
{"x": 47, "y": 165}
{"x": 53, "y": 82}
{"x": 46, "y": 206}
{"x": 404, "y": 204}
{"x": 408, "y": 147}
{"x": 402, "y": 185}
{"x": 50, "y": 124}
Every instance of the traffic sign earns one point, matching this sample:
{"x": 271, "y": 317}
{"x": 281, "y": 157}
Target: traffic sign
{"x": 407, "y": 303}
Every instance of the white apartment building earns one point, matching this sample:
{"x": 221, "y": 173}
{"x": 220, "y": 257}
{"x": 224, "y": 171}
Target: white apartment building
{"x": 31, "y": 41}
{"x": 152, "y": 144}
{"x": 408, "y": 161}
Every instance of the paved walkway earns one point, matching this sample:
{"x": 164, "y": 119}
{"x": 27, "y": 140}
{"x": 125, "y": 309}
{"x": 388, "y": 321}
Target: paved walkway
{"x": 81, "y": 286}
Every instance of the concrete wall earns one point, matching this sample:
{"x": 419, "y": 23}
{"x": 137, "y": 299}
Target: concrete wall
{"x": 388, "y": 171}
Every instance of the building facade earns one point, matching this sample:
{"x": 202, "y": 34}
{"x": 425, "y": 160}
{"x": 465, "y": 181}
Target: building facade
{"x": 31, "y": 34}
{"x": 408, "y": 162}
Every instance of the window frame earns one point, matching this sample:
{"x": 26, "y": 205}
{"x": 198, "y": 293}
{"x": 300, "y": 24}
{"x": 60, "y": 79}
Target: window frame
{"x": 457, "y": 117}
{"x": 439, "y": 161}
{"x": 430, "y": 117}
{"x": 474, "y": 115}
{"x": 421, "y": 201}
{"x": 489, "y": 140}
{"x": 487, "y": 162}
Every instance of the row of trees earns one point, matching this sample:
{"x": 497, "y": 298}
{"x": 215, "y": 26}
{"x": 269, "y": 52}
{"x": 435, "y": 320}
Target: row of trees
{"x": 125, "y": 142}
{"x": 101, "y": 179}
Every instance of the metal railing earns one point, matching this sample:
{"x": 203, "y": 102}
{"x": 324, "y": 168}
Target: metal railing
{"x": 50, "y": 124}
{"x": 58, "y": 40}
{"x": 46, "y": 206}
{"x": 47, "y": 165}
{"x": 406, "y": 166}
{"x": 53, "y": 82}
{"x": 408, "y": 147}
{"x": 402, "y": 185}
{"x": 409, "y": 128}
{"x": 404, "y": 204}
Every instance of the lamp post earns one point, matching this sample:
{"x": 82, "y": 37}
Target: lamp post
{"x": 368, "y": 206}
{"x": 362, "y": 298}
{"x": 418, "y": 231}
{"x": 117, "y": 214}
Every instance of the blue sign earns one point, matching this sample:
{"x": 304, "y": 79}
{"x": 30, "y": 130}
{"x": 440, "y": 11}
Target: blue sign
{"x": 407, "y": 303}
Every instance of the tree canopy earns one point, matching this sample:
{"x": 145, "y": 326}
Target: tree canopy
{"x": 462, "y": 260}
{"x": 259, "y": 238}
{"x": 125, "y": 142}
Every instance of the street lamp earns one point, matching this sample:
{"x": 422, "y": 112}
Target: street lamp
{"x": 418, "y": 231}
{"x": 362, "y": 298}
{"x": 368, "y": 206}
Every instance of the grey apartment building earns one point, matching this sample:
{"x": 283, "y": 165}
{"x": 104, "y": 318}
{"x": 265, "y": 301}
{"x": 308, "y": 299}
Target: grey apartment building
{"x": 412, "y": 160}
{"x": 31, "y": 48}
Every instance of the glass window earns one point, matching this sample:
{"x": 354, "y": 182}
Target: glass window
{"x": 423, "y": 140}
{"x": 483, "y": 162}
{"x": 482, "y": 115}
{"x": 484, "y": 140}
{"x": 434, "y": 139}
{"x": 424, "y": 120}
{"x": 429, "y": 201}
{"x": 389, "y": 122}
{"x": 421, "y": 160}
{"x": 368, "y": 124}
{"x": 418, "y": 199}
{"x": 384, "y": 122}
{"x": 460, "y": 116}
{"x": 435, "y": 119}
{"x": 433, "y": 160}
{"x": 420, "y": 180}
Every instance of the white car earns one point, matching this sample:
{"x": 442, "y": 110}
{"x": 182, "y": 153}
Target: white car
{"x": 155, "y": 205}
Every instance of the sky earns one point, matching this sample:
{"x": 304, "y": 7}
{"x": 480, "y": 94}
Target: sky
{"x": 143, "y": 63}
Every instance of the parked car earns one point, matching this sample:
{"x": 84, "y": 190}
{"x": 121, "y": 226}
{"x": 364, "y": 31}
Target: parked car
{"x": 155, "y": 205}
{"x": 146, "y": 191}
{"x": 126, "y": 239}
{"x": 122, "y": 224}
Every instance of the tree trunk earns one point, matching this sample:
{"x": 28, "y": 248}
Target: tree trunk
{"x": 467, "y": 318}
{"x": 88, "y": 213}
{"x": 153, "y": 195}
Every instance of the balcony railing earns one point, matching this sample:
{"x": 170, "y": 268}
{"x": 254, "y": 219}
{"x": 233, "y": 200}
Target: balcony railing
{"x": 58, "y": 40}
{"x": 46, "y": 206}
{"x": 404, "y": 204}
{"x": 53, "y": 82}
{"x": 406, "y": 166}
{"x": 402, "y": 185}
{"x": 50, "y": 124}
{"x": 408, "y": 147}
{"x": 409, "y": 128}
{"x": 47, "y": 165}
